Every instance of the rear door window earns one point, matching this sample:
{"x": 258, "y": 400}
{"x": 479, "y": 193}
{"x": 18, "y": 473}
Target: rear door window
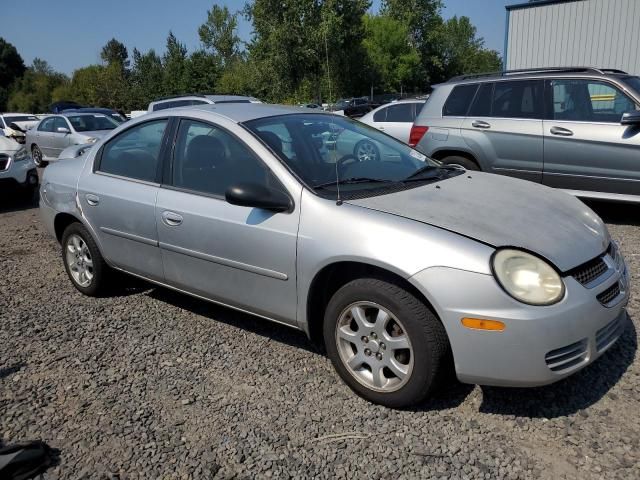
{"x": 134, "y": 153}
{"x": 46, "y": 125}
{"x": 518, "y": 99}
{"x": 459, "y": 101}
{"x": 380, "y": 115}
{"x": 402, "y": 112}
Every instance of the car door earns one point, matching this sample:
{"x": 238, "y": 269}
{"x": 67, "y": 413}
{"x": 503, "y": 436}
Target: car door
{"x": 117, "y": 193}
{"x": 239, "y": 256}
{"x": 58, "y": 140}
{"x": 504, "y": 128}
{"x": 585, "y": 146}
{"x": 44, "y": 136}
{"x": 398, "y": 120}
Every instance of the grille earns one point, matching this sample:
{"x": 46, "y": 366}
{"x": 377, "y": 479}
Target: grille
{"x": 567, "y": 357}
{"x": 4, "y": 162}
{"x": 609, "y": 294}
{"x": 607, "y": 335}
{"x": 589, "y": 271}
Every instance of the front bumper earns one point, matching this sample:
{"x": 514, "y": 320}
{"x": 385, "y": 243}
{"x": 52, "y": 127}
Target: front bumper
{"x": 540, "y": 345}
{"x": 19, "y": 174}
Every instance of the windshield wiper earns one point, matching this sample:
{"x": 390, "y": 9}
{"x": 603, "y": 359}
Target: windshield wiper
{"x": 352, "y": 181}
{"x": 420, "y": 171}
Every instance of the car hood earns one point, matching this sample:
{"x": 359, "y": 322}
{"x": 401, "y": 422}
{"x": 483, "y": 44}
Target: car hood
{"x": 8, "y": 145}
{"x": 504, "y": 212}
{"x": 23, "y": 126}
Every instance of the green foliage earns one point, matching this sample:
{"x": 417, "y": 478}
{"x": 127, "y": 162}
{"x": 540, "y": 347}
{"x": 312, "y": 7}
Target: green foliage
{"x": 11, "y": 68}
{"x": 394, "y": 63}
{"x": 33, "y": 91}
{"x": 218, "y": 34}
{"x": 300, "y": 51}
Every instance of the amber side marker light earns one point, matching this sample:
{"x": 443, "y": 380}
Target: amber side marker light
{"x": 482, "y": 324}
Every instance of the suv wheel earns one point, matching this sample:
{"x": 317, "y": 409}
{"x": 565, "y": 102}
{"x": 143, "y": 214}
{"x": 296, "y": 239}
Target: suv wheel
{"x": 82, "y": 260}
{"x": 384, "y": 342}
{"x": 467, "y": 163}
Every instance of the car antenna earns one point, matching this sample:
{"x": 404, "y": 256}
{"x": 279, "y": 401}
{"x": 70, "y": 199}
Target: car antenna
{"x": 326, "y": 51}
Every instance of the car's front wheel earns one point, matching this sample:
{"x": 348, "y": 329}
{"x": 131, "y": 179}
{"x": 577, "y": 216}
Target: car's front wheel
{"x": 385, "y": 342}
{"x": 82, "y": 261}
{"x": 36, "y": 154}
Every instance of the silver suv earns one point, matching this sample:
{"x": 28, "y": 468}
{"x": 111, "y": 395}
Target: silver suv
{"x": 577, "y": 129}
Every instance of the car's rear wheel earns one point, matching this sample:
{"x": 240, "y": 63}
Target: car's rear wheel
{"x": 36, "y": 154}
{"x": 365, "y": 151}
{"x": 384, "y": 342}
{"x": 83, "y": 262}
{"x": 467, "y": 163}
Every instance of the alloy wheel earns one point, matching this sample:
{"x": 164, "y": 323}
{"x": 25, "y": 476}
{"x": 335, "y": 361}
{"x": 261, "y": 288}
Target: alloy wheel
{"x": 79, "y": 260}
{"x": 37, "y": 156}
{"x": 374, "y": 346}
{"x": 366, "y": 151}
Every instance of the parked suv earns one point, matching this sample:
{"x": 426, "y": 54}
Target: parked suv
{"x": 197, "y": 99}
{"x": 577, "y": 129}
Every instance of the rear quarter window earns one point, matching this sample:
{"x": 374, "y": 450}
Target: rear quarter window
{"x": 459, "y": 100}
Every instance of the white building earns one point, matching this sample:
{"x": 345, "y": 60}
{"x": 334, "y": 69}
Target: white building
{"x": 589, "y": 33}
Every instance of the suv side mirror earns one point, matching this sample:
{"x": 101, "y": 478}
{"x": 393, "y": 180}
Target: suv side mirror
{"x": 63, "y": 130}
{"x": 631, "y": 118}
{"x": 258, "y": 196}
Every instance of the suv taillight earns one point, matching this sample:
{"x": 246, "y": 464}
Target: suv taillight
{"x": 417, "y": 132}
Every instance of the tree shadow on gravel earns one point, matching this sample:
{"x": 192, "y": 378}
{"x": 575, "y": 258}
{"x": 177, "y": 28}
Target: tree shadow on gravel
{"x": 616, "y": 213}
{"x": 264, "y": 328}
{"x": 570, "y": 395}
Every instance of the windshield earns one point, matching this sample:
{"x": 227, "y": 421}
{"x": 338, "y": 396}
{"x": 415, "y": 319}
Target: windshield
{"x": 342, "y": 103}
{"x": 634, "y": 83}
{"x": 322, "y": 149}
{"x": 90, "y": 123}
{"x": 20, "y": 118}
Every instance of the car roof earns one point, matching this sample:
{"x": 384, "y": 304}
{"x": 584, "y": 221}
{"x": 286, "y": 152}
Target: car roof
{"x": 74, "y": 114}
{"x": 90, "y": 110}
{"x": 17, "y": 113}
{"x": 550, "y": 72}
{"x": 211, "y": 97}
{"x": 243, "y": 112}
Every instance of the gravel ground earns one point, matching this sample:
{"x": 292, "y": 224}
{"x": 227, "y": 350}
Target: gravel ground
{"x": 152, "y": 384}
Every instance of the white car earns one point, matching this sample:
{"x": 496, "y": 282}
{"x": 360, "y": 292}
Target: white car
{"x": 14, "y": 125}
{"x": 395, "y": 118}
{"x": 17, "y": 170}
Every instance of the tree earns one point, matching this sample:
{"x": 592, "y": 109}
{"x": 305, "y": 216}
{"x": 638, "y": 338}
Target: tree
{"x": 201, "y": 72}
{"x": 218, "y": 34}
{"x": 461, "y": 51}
{"x": 174, "y": 63}
{"x": 11, "y": 68}
{"x": 33, "y": 91}
{"x": 114, "y": 52}
{"x": 146, "y": 79}
{"x": 393, "y": 62}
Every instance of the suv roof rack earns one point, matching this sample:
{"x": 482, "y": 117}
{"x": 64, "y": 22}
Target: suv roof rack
{"x": 169, "y": 97}
{"x": 503, "y": 73}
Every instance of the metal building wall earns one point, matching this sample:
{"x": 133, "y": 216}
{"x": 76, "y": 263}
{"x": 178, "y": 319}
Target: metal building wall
{"x": 599, "y": 33}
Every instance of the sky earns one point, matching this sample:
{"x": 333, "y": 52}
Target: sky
{"x": 69, "y": 34}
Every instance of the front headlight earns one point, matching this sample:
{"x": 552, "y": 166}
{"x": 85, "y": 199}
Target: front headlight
{"x": 20, "y": 155}
{"x": 527, "y": 278}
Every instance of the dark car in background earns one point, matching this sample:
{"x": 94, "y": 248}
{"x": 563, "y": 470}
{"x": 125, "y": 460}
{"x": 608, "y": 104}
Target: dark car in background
{"x": 354, "y": 107}
{"x": 113, "y": 114}
{"x": 62, "y": 105}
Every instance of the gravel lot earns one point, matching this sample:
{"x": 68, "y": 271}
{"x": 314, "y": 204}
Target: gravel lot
{"x": 152, "y": 384}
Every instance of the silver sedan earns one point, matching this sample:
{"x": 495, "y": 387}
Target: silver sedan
{"x": 55, "y": 133}
{"x": 402, "y": 268}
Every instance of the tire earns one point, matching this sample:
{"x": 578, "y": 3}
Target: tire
{"x": 366, "y": 150}
{"x": 88, "y": 252}
{"x": 410, "y": 322}
{"x": 36, "y": 154}
{"x": 467, "y": 163}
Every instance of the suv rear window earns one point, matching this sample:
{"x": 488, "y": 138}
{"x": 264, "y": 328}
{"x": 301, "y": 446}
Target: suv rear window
{"x": 459, "y": 100}
{"x": 518, "y": 99}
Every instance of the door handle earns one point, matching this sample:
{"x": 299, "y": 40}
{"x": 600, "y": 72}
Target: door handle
{"x": 171, "y": 219}
{"x": 92, "y": 199}
{"x": 563, "y": 132}
{"x": 480, "y": 124}
{"x": 380, "y": 128}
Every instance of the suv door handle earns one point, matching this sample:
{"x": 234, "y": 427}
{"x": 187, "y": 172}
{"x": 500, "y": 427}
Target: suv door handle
{"x": 563, "y": 132}
{"x": 92, "y": 199}
{"x": 171, "y": 219}
{"x": 380, "y": 128}
{"x": 480, "y": 124}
